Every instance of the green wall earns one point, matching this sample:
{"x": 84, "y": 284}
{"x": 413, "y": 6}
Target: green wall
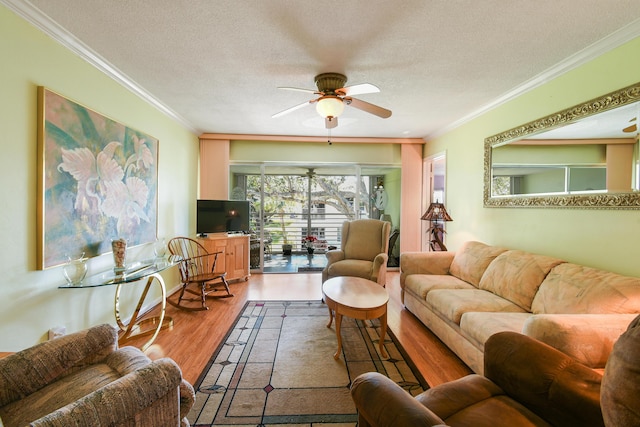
{"x": 30, "y": 302}
{"x": 605, "y": 239}
{"x": 318, "y": 152}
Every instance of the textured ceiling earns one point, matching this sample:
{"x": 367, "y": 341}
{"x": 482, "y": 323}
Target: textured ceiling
{"x": 216, "y": 65}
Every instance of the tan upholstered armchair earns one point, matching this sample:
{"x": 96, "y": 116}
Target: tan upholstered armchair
{"x": 362, "y": 253}
{"x": 83, "y": 379}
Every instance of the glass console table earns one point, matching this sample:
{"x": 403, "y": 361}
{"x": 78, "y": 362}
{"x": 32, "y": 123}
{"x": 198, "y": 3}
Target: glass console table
{"x": 138, "y": 325}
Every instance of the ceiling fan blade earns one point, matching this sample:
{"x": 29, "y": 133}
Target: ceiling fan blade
{"x": 294, "y": 108}
{"x": 369, "y": 108}
{"x": 358, "y": 89}
{"x": 297, "y": 89}
{"x": 330, "y": 122}
{"x": 630, "y": 129}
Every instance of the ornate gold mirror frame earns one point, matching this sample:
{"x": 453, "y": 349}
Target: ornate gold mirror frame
{"x": 630, "y": 200}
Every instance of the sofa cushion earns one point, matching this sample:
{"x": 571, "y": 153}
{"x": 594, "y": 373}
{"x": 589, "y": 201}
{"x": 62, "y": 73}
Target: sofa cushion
{"x": 351, "y": 267}
{"x": 58, "y": 394}
{"x": 575, "y": 289}
{"x": 588, "y": 338}
{"x": 364, "y": 239}
{"x": 474, "y": 400}
{"x": 421, "y": 284}
{"x": 452, "y": 304}
{"x": 516, "y": 275}
{"x": 477, "y": 327}
{"x": 472, "y": 259}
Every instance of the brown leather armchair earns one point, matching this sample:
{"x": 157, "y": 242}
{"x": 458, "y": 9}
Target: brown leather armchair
{"x": 84, "y": 379}
{"x": 362, "y": 253}
{"x": 526, "y": 383}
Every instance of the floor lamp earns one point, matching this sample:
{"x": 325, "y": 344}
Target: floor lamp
{"x": 435, "y": 213}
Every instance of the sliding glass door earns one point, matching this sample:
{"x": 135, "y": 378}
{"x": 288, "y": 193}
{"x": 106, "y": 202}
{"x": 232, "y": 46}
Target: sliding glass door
{"x": 299, "y": 209}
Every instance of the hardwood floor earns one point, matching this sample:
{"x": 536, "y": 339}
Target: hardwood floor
{"x": 196, "y": 335}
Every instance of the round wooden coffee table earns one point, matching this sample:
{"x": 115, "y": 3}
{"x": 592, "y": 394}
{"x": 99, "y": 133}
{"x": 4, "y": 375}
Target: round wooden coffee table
{"x": 357, "y": 298}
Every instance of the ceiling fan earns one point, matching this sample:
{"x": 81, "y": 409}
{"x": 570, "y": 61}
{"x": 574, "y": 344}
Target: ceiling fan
{"x": 334, "y": 95}
{"x": 631, "y": 128}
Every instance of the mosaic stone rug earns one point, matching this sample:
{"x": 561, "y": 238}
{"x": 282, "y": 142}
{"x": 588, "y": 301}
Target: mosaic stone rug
{"x": 276, "y": 367}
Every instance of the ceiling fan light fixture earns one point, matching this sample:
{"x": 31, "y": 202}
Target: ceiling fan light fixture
{"x": 329, "y": 106}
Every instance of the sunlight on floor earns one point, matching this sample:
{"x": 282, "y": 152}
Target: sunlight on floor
{"x": 285, "y": 286}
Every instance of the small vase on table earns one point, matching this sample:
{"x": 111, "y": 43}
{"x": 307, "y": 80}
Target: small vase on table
{"x": 119, "y": 247}
{"x": 75, "y": 270}
{"x": 159, "y": 248}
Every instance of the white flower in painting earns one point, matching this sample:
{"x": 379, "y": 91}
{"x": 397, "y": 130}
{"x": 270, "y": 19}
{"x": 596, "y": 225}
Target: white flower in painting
{"x": 103, "y": 188}
{"x": 81, "y": 164}
{"x": 108, "y": 168}
{"x": 91, "y": 173}
{"x": 126, "y": 202}
{"x": 142, "y": 156}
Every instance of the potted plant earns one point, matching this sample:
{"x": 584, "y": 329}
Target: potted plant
{"x": 309, "y": 242}
{"x": 286, "y": 246}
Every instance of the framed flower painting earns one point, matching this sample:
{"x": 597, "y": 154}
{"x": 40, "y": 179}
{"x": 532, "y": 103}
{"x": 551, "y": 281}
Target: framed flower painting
{"x": 98, "y": 181}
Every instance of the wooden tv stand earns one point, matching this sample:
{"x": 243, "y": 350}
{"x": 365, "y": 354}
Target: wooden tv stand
{"x": 234, "y": 256}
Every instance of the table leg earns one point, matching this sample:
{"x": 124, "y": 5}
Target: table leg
{"x": 138, "y": 326}
{"x": 330, "y": 317}
{"x": 338, "y": 335}
{"x": 383, "y": 332}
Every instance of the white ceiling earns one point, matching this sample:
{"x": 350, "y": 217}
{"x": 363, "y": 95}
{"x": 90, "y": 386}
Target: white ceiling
{"x": 216, "y": 64}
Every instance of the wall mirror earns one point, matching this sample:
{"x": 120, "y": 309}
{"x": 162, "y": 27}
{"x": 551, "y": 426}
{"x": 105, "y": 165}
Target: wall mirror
{"x": 585, "y": 156}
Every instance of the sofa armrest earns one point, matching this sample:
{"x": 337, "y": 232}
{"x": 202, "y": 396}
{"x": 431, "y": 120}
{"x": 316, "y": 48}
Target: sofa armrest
{"x": 379, "y": 271}
{"x": 153, "y": 386}
{"x": 545, "y": 380}
{"x": 588, "y": 338}
{"x": 334, "y": 256}
{"x": 187, "y": 400}
{"x": 383, "y": 403}
{"x": 29, "y": 370}
{"x": 437, "y": 262}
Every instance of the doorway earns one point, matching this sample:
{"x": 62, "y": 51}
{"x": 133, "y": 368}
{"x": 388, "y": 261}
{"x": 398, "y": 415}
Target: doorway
{"x": 434, "y": 178}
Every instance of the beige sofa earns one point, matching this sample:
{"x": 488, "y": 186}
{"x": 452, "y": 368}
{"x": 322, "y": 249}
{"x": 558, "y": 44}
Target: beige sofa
{"x": 466, "y": 296}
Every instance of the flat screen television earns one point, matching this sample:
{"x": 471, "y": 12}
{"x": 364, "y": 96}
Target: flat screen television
{"x": 222, "y": 216}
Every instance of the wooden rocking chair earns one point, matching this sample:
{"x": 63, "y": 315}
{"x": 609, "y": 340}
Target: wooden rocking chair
{"x": 197, "y": 266}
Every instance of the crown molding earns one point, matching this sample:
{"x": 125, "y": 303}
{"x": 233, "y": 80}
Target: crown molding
{"x": 610, "y": 42}
{"x": 289, "y": 138}
{"x": 37, "y": 18}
